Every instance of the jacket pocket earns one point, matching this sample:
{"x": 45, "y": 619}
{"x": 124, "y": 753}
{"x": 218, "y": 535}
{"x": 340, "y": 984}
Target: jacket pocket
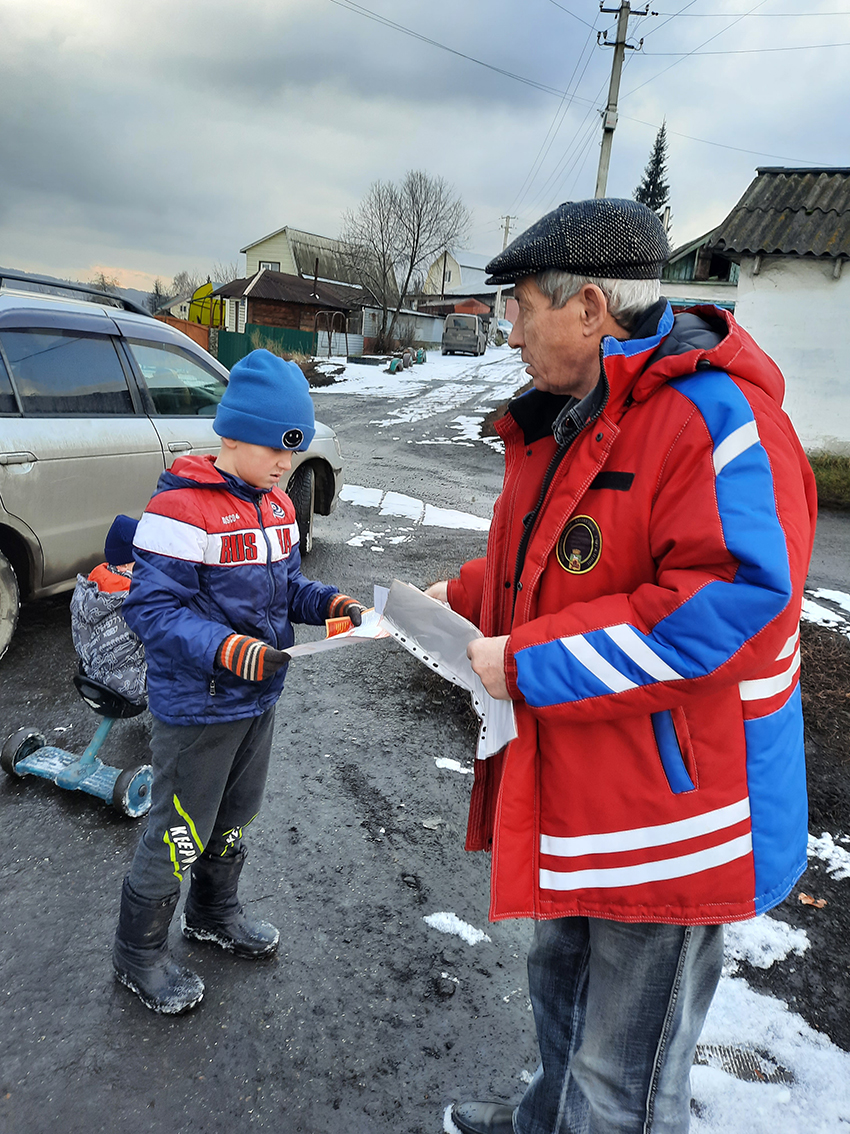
{"x": 674, "y": 748}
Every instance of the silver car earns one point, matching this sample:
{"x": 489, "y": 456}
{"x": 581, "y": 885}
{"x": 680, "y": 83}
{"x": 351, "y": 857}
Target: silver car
{"x": 96, "y": 399}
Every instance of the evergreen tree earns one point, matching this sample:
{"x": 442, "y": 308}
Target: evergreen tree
{"x": 653, "y": 191}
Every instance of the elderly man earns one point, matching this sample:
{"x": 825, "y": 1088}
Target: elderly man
{"x": 640, "y": 600}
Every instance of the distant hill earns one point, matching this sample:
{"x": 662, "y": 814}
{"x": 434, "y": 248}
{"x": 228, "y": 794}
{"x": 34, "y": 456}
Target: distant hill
{"x": 131, "y": 293}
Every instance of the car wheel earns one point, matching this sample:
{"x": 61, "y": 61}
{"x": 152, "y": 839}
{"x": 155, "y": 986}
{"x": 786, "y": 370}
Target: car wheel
{"x": 10, "y": 603}
{"x": 302, "y": 493}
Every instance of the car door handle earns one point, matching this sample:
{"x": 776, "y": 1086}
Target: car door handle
{"x": 17, "y": 458}
{"x": 179, "y": 446}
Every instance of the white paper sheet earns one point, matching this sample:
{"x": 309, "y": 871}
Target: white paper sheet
{"x": 438, "y": 637}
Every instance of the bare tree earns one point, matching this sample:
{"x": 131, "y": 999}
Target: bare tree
{"x": 432, "y": 217}
{"x": 107, "y": 284}
{"x": 186, "y": 283}
{"x": 371, "y": 235}
{"x": 394, "y": 234}
{"x": 223, "y": 273}
{"x": 158, "y": 296}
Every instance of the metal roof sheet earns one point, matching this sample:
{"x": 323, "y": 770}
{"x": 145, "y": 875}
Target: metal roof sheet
{"x": 293, "y": 289}
{"x": 802, "y": 212}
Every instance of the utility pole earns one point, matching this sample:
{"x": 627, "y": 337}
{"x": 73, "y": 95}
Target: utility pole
{"x": 609, "y": 116}
{"x": 498, "y": 307}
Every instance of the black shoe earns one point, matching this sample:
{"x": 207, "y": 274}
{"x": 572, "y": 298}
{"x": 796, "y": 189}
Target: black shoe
{"x": 214, "y": 913}
{"x": 140, "y": 955}
{"x": 483, "y": 1118}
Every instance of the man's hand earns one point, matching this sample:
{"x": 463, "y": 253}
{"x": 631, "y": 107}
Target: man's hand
{"x": 439, "y": 591}
{"x": 488, "y": 661}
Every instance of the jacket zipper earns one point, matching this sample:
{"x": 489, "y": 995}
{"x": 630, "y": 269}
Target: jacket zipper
{"x": 270, "y": 573}
{"x": 531, "y": 519}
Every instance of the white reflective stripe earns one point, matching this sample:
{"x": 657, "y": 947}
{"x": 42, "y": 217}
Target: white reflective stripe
{"x": 591, "y": 659}
{"x": 736, "y": 443}
{"x": 640, "y": 837}
{"x": 789, "y": 647}
{"x": 647, "y": 871}
{"x": 167, "y": 536}
{"x": 762, "y": 687}
{"x": 634, "y": 647}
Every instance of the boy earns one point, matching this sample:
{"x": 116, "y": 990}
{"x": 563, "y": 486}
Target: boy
{"x": 108, "y": 650}
{"x": 216, "y": 587}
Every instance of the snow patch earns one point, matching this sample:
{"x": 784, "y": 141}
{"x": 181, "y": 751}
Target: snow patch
{"x": 451, "y": 923}
{"x": 452, "y": 765}
{"x": 761, "y": 943}
{"x": 816, "y": 1102}
{"x": 836, "y": 858}
{"x": 409, "y": 508}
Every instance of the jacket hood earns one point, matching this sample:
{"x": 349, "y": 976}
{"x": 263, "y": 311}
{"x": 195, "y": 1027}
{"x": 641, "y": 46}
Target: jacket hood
{"x": 700, "y": 338}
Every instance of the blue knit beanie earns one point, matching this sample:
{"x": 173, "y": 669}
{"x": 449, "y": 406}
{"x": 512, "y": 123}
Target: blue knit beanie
{"x": 118, "y": 548}
{"x": 267, "y": 402}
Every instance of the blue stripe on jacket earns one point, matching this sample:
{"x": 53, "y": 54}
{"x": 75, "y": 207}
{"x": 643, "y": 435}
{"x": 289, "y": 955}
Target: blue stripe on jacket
{"x": 710, "y": 627}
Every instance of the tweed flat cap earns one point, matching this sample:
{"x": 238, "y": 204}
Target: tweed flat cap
{"x": 609, "y": 237}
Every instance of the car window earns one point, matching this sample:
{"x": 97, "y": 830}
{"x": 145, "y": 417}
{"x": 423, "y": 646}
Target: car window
{"x": 64, "y": 372}
{"x": 179, "y": 385}
{"x": 463, "y": 322}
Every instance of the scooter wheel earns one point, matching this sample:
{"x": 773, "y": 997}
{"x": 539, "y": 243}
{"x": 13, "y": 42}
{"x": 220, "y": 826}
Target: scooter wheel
{"x": 17, "y": 747}
{"x": 132, "y": 792}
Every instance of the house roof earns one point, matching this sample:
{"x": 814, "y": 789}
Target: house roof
{"x": 293, "y": 289}
{"x": 308, "y": 247}
{"x": 798, "y": 212}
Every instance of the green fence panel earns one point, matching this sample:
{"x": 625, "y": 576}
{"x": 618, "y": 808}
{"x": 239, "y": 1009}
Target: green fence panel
{"x": 233, "y": 345}
{"x": 279, "y": 340}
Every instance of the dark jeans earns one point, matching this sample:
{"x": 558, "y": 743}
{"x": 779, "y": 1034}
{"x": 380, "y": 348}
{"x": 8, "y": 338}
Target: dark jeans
{"x": 208, "y": 783}
{"x": 619, "y": 1008}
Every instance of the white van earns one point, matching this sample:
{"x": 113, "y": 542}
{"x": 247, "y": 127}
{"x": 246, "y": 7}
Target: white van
{"x": 464, "y": 333}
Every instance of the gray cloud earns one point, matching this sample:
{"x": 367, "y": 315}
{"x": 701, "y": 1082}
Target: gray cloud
{"x": 152, "y": 136}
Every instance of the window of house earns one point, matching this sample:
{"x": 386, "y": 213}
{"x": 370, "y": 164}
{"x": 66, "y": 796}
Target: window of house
{"x": 63, "y": 372}
{"x": 179, "y": 385}
{"x": 271, "y": 265}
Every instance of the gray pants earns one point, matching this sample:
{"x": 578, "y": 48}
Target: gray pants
{"x": 208, "y": 783}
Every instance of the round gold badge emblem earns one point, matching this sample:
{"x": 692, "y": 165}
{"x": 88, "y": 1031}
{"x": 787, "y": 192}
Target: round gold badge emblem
{"x": 580, "y": 545}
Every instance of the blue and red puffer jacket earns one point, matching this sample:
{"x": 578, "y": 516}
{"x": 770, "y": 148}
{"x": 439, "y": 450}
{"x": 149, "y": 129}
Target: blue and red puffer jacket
{"x": 650, "y": 577}
{"x": 214, "y": 557}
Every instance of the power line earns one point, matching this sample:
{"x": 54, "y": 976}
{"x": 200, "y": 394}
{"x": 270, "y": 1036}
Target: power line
{"x": 744, "y": 50}
{"x": 569, "y": 13}
{"x": 767, "y": 15}
{"x": 358, "y": 9}
{"x": 542, "y": 154}
{"x": 699, "y": 47}
{"x": 672, "y": 16}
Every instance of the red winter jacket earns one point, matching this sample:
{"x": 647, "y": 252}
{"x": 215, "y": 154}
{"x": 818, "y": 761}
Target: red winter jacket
{"x": 653, "y": 612}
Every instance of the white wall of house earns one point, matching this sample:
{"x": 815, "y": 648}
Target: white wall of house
{"x": 273, "y": 250}
{"x": 434, "y": 282}
{"x": 797, "y": 311}
{"x": 694, "y": 292}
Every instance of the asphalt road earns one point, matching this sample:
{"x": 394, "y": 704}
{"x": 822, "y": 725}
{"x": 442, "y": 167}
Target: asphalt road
{"x": 369, "y": 1021}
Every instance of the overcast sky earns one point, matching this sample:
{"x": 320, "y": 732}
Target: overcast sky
{"x": 142, "y": 137}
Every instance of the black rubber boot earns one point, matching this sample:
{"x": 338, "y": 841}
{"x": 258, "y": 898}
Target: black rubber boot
{"x": 140, "y": 955}
{"x": 214, "y": 913}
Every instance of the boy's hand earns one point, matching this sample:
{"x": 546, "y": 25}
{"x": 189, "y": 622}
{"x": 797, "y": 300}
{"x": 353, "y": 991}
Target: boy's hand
{"x": 343, "y": 606}
{"x": 249, "y": 657}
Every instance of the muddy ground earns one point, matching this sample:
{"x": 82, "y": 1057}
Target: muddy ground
{"x": 369, "y": 1021}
